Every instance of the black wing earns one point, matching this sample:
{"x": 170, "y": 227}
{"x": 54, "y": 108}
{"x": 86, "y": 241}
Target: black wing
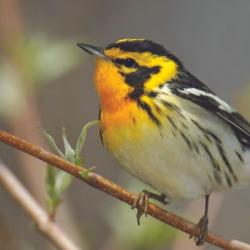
{"x": 189, "y": 87}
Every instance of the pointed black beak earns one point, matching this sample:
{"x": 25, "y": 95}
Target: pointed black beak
{"x": 93, "y": 50}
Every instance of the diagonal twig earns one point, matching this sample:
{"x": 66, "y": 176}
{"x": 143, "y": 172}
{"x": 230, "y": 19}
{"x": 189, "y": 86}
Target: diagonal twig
{"x": 38, "y": 215}
{"x": 115, "y": 190}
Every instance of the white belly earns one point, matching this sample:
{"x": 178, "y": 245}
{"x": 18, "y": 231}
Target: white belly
{"x": 184, "y": 163}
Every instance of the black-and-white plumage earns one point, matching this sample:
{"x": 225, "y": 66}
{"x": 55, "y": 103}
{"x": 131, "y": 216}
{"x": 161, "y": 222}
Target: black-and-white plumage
{"x": 190, "y": 88}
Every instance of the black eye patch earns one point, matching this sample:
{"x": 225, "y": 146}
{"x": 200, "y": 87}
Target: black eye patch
{"x": 140, "y": 76}
{"x": 128, "y": 62}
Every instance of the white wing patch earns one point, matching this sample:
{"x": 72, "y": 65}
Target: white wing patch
{"x": 165, "y": 89}
{"x": 222, "y": 105}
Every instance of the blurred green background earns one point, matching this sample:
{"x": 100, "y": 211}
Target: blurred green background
{"x": 46, "y": 82}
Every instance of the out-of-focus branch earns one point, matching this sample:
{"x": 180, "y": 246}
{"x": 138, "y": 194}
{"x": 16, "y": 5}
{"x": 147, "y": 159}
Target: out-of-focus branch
{"x": 31, "y": 207}
{"x": 114, "y": 190}
{"x": 24, "y": 116}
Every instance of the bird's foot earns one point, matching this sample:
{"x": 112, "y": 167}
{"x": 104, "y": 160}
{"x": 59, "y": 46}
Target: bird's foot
{"x": 141, "y": 203}
{"x": 200, "y": 231}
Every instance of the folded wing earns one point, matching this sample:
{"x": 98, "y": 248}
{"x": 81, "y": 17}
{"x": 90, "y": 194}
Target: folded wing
{"x": 190, "y": 88}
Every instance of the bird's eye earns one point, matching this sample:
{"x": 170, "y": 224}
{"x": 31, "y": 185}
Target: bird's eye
{"x": 129, "y": 63}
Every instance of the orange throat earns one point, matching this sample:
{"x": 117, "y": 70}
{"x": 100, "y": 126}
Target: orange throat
{"x": 110, "y": 86}
{"x": 116, "y": 108}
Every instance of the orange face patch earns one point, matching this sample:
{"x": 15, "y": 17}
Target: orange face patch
{"x": 117, "y": 109}
{"x": 110, "y": 86}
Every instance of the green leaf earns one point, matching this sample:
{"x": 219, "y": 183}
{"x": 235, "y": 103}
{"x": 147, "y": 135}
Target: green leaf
{"x": 57, "y": 181}
{"x": 69, "y": 151}
{"x": 83, "y": 135}
{"x": 63, "y": 181}
{"x": 50, "y": 180}
{"x": 52, "y": 198}
{"x": 52, "y": 143}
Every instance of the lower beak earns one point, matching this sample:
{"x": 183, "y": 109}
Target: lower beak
{"x": 93, "y": 50}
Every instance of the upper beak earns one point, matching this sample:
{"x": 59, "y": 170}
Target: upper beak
{"x": 93, "y": 50}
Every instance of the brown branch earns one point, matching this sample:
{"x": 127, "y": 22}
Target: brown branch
{"x": 32, "y": 208}
{"x": 113, "y": 189}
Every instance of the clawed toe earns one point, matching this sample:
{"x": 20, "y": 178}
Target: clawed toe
{"x": 141, "y": 203}
{"x": 200, "y": 231}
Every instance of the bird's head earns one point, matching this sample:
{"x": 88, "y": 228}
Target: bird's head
{"x": 130, "y": 68}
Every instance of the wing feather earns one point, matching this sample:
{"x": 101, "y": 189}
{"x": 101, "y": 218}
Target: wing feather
{"x": 190, "y": 88}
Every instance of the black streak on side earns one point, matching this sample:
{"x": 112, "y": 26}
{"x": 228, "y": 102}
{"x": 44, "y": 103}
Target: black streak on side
{"x": 172, "y": 122}
{"x": 184, "y": 125}
{"x": 196, "y": 148}
{"x": 219, "y": 147}
{"x": 185, "y": 138}
{"x": 239, "y": 156}
{"x": 227, "y": 163}
{"x": 100, "y": 130}
{"x": 228, "y": 180}
{"x": 210, "y": 156}
{"x": 158, "y": 109}
{"x": 217, "y": 177}
{"x": 135, "y": 95}
{"x": 147, "y": 108}
{"x": 173, "y": 107}
{"x": 206, "y": 132}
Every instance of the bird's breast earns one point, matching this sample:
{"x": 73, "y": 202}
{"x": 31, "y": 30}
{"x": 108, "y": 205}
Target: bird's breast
{"x": 128, "y": 123}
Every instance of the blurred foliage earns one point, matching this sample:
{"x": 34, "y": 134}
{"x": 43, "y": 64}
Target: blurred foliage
{"x": 12, "y": 94}
{"x": 32, "y": 62}
{"x": 152, "y": 234}
{"x": 46, "y": 60}
{"x": 57, "y": 181}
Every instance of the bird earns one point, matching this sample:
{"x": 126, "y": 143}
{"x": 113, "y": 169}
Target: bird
{"x": 166, "y": 127}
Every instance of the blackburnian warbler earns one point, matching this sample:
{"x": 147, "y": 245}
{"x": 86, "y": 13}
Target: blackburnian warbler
{"x": 166, "y": 127}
